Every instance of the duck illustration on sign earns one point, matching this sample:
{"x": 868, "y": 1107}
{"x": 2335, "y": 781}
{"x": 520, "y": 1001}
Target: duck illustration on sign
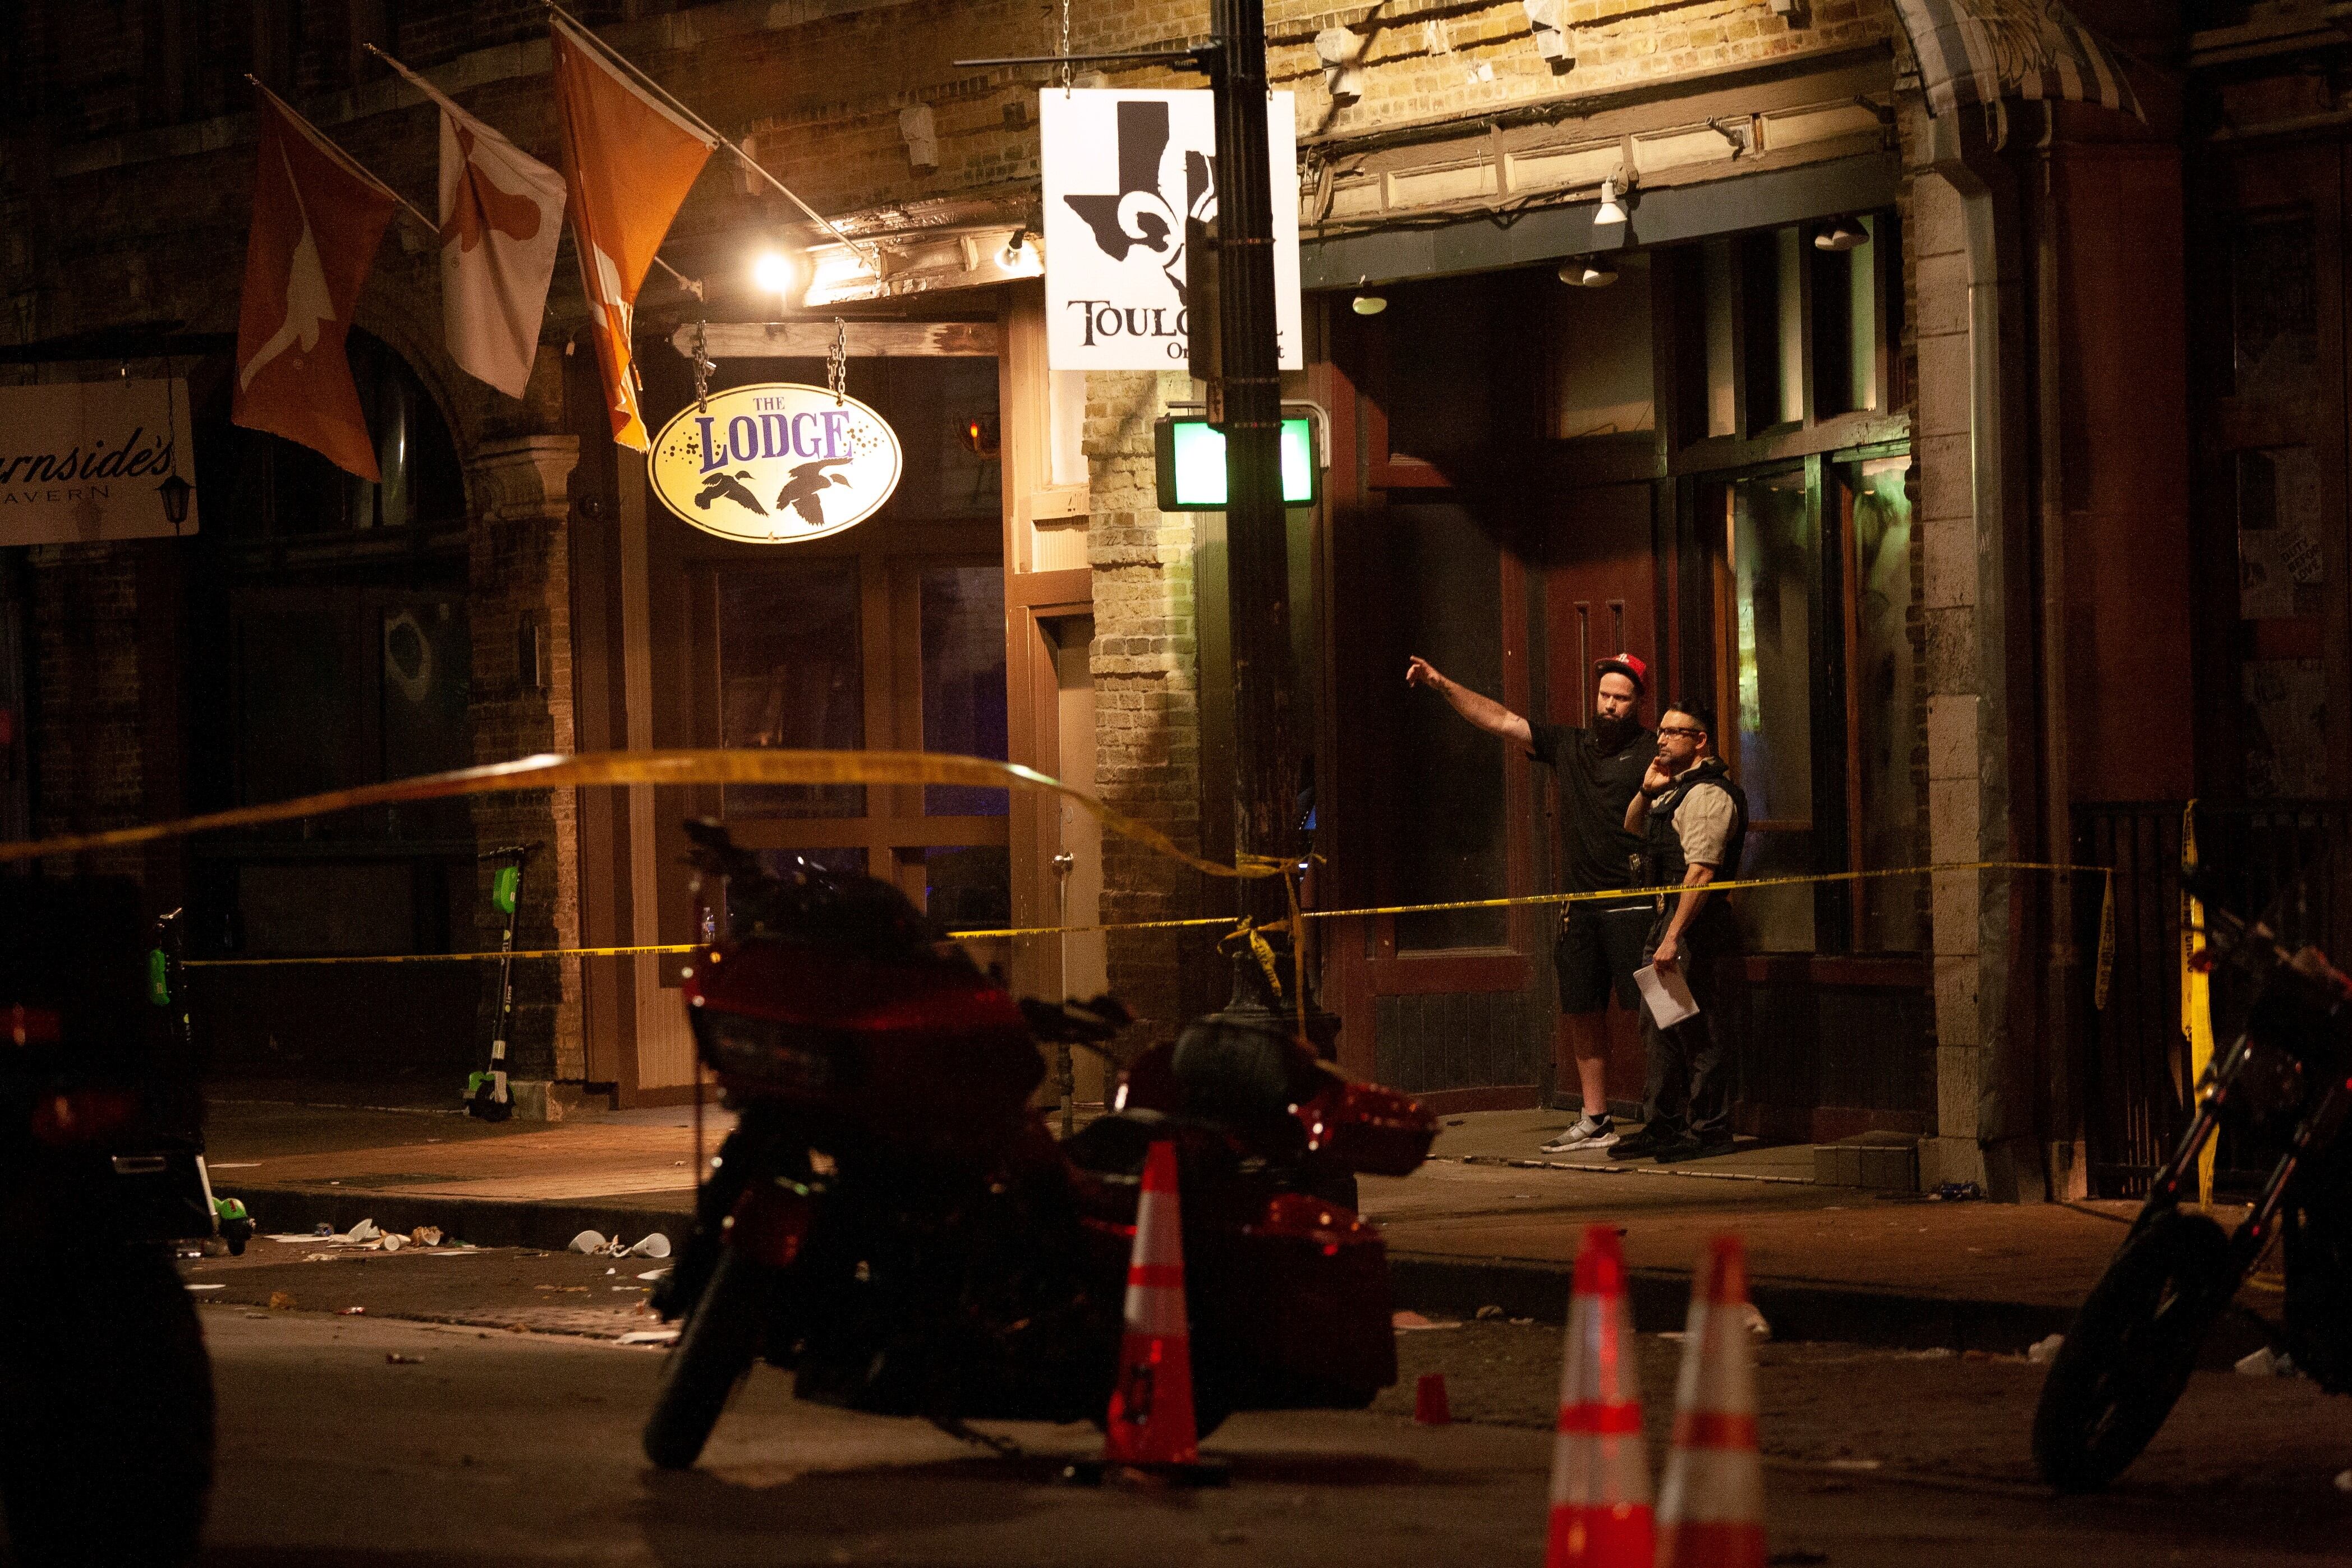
{"x": 775, "y": 463}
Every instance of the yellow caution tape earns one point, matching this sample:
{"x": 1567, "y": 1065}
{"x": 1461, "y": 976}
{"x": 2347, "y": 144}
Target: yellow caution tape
{"x": 491, "y": 954}
{"x": 740, "y": 766}
{"x": 757, "y": 766}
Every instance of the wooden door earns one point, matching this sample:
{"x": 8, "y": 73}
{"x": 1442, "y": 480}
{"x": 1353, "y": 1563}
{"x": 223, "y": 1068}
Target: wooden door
{"x": 1599, "y": 597}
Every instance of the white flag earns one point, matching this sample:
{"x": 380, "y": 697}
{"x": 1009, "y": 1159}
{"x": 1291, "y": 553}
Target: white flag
{"x": 501, "y": 218}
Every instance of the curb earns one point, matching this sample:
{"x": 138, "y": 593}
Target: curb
{"x": 1661, "y": 1299}
{"x": 1423, "y": 1281}
{"x": 483, "y": 1221}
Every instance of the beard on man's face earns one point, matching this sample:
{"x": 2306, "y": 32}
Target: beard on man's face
{"x": 1614, "y": 732}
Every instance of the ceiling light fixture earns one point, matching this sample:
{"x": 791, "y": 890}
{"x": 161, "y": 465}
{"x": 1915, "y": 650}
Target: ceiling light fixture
{"x": 1587, "y": 272}
{"x": 1841, "y": 233}
{"x": 1366, "y": 303}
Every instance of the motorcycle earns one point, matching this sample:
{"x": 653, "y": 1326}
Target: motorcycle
{"x": 2285, "y": 1082}
{"x": 891, "y": 1221}
{"x": 106, "y": 1395}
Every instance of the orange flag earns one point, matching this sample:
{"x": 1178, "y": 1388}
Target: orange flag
{"x": 629, "y": 162}
{"x": 318, "y": 219}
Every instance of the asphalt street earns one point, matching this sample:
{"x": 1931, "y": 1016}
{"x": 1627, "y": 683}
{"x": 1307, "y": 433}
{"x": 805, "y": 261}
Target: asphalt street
{"x": 508, "y": 1434}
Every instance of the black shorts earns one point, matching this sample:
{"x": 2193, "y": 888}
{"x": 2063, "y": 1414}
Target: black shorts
{"x": 1597, "y": 951}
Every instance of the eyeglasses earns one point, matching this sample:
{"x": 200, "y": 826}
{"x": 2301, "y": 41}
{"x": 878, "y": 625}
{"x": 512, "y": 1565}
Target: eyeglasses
{"x": 1680, "y": 729}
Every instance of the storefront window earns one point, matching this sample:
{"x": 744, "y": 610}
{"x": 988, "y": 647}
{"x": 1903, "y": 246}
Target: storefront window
{"x": 1845, "y": 325}
{"x": 790, "y": 675}
{"x": 1773, "y": 302}
{"x": 963, "y": 680}
{"x": 1714, "y": 287}
{"x": 966, "y": 885}
{"x": 1883, "y": 679}
{"x": 1789, "y": 333}
{"x": 1774, "y": 552}
{"x": 277, "y": 489}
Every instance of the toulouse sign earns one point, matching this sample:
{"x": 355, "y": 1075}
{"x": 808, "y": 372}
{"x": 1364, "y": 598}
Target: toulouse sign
{"x": 1123, "y": 171}
{"x": 775, "y": 463}
{"x": 80, "y": 461}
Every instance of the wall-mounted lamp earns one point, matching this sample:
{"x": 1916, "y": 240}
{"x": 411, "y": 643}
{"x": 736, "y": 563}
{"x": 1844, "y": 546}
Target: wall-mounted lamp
{"x": 1843, "y": 233}
{"x": 1587, "y": 272}
{"x": 1018, "y": 254}
{"x": 175, "y": 492}
{"x": 1366, "y": 303}
{"x": 1610, "y": 212}
{"x": 778, "y": 272}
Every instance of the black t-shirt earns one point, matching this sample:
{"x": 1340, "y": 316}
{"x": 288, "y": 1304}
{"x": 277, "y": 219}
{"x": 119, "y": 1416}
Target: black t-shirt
{"x": 1595, "y": 787}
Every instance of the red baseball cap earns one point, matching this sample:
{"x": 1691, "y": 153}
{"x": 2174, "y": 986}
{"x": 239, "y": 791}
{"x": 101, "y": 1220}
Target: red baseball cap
{"x": 1625, "y": 664}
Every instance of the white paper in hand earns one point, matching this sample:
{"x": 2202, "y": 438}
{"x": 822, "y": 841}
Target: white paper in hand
{"x": 1666, "y": 994}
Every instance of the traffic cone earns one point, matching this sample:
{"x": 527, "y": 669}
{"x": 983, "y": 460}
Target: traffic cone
{"x": 1149, "y": 1429}
{"x": 1601, "y": 1514}
{"x": 1711, "y": 1504}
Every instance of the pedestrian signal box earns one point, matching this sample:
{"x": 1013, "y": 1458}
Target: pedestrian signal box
{"x": 1191, "y": 455}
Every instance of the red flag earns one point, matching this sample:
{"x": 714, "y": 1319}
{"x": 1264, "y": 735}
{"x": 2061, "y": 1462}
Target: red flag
{"x": 629, "y": 162}
{"x": 318, "y": 219}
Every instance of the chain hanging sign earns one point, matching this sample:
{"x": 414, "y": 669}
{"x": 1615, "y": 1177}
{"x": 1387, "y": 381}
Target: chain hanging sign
{"x": 776, "y": 463}
{"x": 1123, "y": 171}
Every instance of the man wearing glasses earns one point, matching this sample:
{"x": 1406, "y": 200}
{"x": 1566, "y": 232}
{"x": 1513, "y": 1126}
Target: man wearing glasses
{"x": 1693, "y": 821}
{"x": 1599, "y": 944}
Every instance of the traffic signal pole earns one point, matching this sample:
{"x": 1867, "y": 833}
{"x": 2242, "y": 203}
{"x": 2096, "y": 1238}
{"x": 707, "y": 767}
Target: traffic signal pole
{"x": 1246, "y": 404}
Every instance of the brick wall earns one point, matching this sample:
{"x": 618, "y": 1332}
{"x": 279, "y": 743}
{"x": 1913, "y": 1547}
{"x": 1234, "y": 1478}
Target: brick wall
{"x": 520, "y": 574}
{"x": 86, "y": 724}
{"x": 1146, "y": 689}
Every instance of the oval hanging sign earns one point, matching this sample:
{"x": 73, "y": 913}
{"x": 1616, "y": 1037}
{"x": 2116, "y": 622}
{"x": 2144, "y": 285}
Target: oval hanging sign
{"x": 776, "y": 463}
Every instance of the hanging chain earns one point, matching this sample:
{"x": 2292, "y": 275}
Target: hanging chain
{"x": 703, "y": 366}
{"x": 836, "y": 364}
{"x": 1065, "y": 50}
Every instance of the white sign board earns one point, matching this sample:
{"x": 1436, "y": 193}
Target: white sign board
{"x": 775, "y": 463}
{"x": 80, "y": 461}
{"x": 1123, "y": 171}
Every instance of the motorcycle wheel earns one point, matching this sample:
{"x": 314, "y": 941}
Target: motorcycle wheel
{"x": 715, "y": 1348}
{"x": 106, "y": 1415}
{"x": 2128, "y": 1354}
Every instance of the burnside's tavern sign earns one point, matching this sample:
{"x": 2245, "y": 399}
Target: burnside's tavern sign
{"x": 777, "y": 463}
{"x": 79, "y": 461}
{"x": 1122, "y": 172}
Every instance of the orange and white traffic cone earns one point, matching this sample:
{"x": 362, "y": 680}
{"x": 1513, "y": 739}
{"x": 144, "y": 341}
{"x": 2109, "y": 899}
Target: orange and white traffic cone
{"x": 1150, "y": 1427}
{"x": 1601, "y": 1514}
{"x": 1711, "y": 1504}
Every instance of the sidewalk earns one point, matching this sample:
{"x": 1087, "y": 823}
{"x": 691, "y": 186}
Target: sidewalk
{"x": 1465, "y": 1232}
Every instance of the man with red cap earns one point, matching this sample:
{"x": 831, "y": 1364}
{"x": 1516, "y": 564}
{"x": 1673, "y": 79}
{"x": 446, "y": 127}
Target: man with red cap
{"x": 1599, "y": 944}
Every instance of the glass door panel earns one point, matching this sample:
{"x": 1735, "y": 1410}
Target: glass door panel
{"x": 1774, "y": 556}
{"x": 791, "y": 675}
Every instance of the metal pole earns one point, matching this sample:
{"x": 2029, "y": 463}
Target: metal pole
{"x": 1257, "y": 554}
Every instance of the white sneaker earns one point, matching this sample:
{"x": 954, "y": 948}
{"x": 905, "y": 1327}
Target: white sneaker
{"x": 1586, "y": 1135}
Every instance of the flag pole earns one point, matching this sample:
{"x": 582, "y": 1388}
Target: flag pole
{"x": 363, "y": 170}
{"x": 753, "y": 165}
{"x": 692, "y": 284}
